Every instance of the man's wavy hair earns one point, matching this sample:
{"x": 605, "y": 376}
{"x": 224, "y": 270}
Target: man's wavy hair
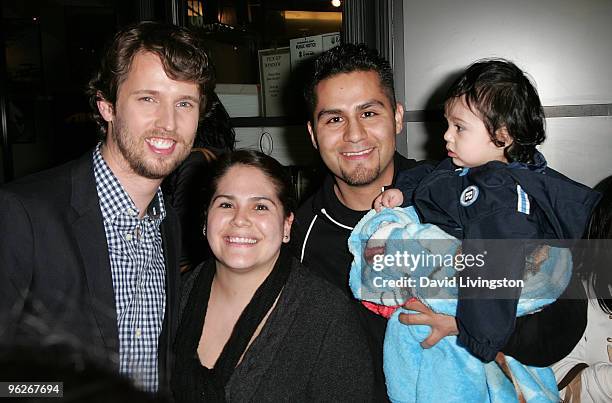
{"x": 180, "y": 51}
{"x": 502, "y": 95}
{"x": 348, "y": 58}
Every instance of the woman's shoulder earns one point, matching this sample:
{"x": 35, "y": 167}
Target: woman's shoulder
{"x": 188, "y": 277}
{"x": 188, "y": 280}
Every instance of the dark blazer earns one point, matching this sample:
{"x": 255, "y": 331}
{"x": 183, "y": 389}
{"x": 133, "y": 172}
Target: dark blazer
{"x": 55, "y": 276}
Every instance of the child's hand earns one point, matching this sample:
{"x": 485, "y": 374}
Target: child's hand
{"x": 388, "y": 198}
{"x": 441, "y": 325}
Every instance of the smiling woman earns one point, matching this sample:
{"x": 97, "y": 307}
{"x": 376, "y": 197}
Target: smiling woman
{"x": 256, "y": 325}
{"x": 247, "y": 222}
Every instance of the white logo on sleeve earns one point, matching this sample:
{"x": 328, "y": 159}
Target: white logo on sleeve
{"x": 469, "y": 196}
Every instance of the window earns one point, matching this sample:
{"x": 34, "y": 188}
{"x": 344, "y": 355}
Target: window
{"x": 236, "y": 31}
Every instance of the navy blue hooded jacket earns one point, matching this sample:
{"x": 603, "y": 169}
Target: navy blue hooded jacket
{"x": 496, "y": 201}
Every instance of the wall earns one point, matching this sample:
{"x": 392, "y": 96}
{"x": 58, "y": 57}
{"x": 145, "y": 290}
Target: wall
{"x": 70, "y": 37}
{"x": 290, "y": 145}
{"x": 565, "y": 47}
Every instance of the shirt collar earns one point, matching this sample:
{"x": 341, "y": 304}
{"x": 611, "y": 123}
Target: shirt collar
{"x": 114, "y": 200}
{"x": 539, "y": 163}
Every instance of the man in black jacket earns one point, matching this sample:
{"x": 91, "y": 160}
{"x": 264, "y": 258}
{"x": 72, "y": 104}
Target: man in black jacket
{"x": 354, "y": 123}
{"x": 92, "y": 255}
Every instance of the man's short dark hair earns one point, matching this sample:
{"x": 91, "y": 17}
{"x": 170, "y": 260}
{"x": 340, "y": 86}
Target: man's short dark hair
{"x": 502, "y": 95}
{"x": 348, "y": 58}
{"x": 181, "y": 53}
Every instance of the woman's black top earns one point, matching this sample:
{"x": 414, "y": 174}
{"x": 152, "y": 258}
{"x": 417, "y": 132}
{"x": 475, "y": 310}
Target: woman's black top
{"x": 310, "y": 348}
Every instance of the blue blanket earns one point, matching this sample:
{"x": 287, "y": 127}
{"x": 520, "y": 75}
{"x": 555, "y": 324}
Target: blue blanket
{"x": 446, "y": 372}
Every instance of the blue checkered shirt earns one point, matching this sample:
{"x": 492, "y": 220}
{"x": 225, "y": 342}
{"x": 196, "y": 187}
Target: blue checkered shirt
{"x": 139, "y": 275}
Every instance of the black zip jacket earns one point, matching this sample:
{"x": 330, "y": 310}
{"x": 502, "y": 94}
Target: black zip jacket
{"x": 546, "y": 205}
{"x": 319, "y": 237}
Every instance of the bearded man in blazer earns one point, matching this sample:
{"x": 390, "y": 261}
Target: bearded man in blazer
{"x": 88, "y": 251}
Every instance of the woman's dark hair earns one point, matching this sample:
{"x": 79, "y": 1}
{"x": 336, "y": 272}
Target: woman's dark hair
{"x": 600, "y": 227}
{"x": 348, "y": 58}
{"x": 181, "y": 53}
{"x": 277, "y": 173}
{"x": 500, "y": 93}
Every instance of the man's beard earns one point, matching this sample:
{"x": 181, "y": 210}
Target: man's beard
{"x": 360, "y": 175}
{"x": 131, "y": 149}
